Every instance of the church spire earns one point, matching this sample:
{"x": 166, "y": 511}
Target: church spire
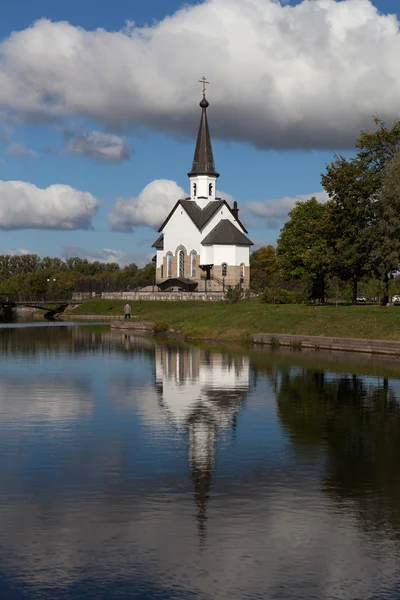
{"x": 203, "y": 160}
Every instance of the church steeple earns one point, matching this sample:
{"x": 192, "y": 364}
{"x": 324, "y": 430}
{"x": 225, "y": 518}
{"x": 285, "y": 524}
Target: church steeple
{"x": 203, "y": 175}
{"x": 203, "y": 160}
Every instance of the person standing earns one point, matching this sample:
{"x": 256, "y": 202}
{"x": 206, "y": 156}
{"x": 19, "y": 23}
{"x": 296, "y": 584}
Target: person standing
{"x": 127, "y": 311}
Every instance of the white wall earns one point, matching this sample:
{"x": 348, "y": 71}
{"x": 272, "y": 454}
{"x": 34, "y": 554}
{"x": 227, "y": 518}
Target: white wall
{"x": 207, "y": 255}
{"x": 232, "y": 255}
{"x": 223, "y": 213}
{"x": 180, "y": 230}
{"x": 202, "y": 184}
{"x": 224, "y": 254}
{"x": 242, "y": 254}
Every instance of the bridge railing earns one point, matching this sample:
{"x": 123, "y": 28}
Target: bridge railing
{"x": 32, "y": 298}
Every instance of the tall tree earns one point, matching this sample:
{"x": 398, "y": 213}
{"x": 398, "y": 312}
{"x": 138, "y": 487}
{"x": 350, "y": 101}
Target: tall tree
{"x": 354, "y": 187}
{"x": 352, "y": 218}
{"x": 302, "y": 249}
{"x": 377, "y": 148}
{"x": 387, "y": 250}
{"x": 263, "y": 266}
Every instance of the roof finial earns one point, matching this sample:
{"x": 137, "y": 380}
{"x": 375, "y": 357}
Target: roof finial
{"x": 204, "y": 81}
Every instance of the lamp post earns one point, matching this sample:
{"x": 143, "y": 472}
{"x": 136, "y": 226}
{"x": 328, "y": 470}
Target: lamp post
{"x": 49, "y": 280}
{"x": 154, "y": 261}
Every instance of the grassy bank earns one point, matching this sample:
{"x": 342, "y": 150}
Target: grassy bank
{"x": 218, "y": 320}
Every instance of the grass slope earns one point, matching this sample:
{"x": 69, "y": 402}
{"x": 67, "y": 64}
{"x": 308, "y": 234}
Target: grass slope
{"x": 219, "y": 320}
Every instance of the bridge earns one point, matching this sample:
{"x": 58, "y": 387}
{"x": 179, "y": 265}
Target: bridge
{"x": 50, "y": 305}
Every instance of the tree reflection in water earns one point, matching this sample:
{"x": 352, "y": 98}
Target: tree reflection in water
{"x": 357, "y": 422}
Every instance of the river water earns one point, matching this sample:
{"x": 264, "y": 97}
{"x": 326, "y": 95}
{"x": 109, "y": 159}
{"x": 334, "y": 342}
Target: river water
{"x": 137, "y": 468}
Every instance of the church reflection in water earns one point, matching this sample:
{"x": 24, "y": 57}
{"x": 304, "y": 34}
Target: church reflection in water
{"x": 201, "y": 394}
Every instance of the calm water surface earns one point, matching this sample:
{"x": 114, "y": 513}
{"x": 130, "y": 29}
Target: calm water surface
{"x": 136, "y": 468}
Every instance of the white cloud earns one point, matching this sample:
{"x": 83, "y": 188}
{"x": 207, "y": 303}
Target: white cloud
{"x": 25, "y": 206}
{"x": 98, "y": 146}
{"x": 151, "y": 207}
{"x": 51, "y": 400}
{"x": 306, "y": 75}
{"x": 17, "y": 252}
{"x": 107, "y": 255}
{"x": 275, "y": 211}
{"x": 20, "y": 150}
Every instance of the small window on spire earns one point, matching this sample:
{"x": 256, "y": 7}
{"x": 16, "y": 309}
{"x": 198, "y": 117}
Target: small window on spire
{"x": 194, "y": 189}
{"x": 210, "y": 188}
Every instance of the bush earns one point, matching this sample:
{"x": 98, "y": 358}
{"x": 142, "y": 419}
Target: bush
{"x": 279, "y": 296}
{"x": 233, "y": 294}
{"x": 161, "y": 326}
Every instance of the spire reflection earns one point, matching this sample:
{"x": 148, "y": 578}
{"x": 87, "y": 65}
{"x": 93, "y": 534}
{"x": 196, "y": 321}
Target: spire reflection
{"x": 201, "y": 394}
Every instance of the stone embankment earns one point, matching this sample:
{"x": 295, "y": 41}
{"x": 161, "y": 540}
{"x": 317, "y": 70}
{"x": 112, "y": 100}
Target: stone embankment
{"x": 133, "y": 325}
{"x": 328, "y": 343}
{"x": 70, "y": 315}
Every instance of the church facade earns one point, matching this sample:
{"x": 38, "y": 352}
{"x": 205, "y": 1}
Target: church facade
{"x": 202, "y": 243}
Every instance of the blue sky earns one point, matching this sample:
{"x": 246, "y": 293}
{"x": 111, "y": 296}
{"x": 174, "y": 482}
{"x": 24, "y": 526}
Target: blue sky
{"x": 110, "y": 113}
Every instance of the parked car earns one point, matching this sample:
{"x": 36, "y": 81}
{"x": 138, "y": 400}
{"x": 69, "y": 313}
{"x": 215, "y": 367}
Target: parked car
{"x": 395, "y": 299}
{"x": 361, "y": 299}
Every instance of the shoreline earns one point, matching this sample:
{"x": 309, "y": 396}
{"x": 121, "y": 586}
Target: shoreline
{"x": 316, "y": 343}
{"x": 275, "y": 340}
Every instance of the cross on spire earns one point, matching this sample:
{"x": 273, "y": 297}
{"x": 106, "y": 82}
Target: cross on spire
{"x": 204, "y": 81}
{"x": 203, "y": 161}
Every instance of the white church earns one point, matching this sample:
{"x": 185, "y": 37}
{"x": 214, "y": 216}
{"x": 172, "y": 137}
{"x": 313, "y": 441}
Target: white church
{"x": 203, "y": 244}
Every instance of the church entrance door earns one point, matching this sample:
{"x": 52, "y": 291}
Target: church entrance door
{"x": 181, "y": 264}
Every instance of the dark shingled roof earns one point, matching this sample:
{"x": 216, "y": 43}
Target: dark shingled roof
{"x": 226, "y": 234}
{"x": 203, "y": 160}
{"x": 159, "y": 243}
{"x": 200, "y": 217}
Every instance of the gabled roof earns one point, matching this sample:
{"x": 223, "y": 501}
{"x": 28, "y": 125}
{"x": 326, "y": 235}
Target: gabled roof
{"x": 200, "y": 217}
{"x": 226, "y": 234}
{"x": 159, "y": 243}
{"x": 203, "y": 160}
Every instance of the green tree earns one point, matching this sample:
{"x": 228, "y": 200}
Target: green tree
{"x": 359, "y": 239}
{"x": 387, "y": 249}
{"x": 377, "y": 148}
{"x": 75, "y": 263}
{"x": 5, "y": 271}
{"x": 56, "y": 263}
{"x": 146, "y": 275}
{"x": 351, "y": 219}
{"x": 302, "y": 249}
{"x": 263, "y": 267}
{"x": 130, "y": 270}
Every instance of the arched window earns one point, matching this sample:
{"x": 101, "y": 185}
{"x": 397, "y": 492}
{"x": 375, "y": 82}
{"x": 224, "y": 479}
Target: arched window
{"x": 169, "y": 265}
{"x": 242, "y": 271}
{"x": 210, "y": 188}
{"x": 194, "y": 189}
{"x": 181, "y": 264}
{"x": 193, "y": 264}
{"x": 224, "y": 269}
{"x": 162, "y": 271}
